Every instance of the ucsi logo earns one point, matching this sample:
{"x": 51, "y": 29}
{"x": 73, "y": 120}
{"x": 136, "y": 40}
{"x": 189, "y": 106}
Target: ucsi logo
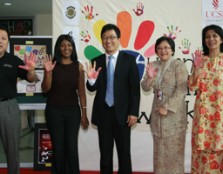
{"x": 214, "y": 14}
{"x": 215, "y": 4}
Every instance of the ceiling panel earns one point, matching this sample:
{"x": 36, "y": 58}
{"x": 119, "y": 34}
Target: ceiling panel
{"x": 25, "y": 8}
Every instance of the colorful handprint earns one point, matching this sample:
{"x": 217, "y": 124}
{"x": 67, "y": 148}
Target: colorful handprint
{"x": 172, "y": 32}
{"x": 85, "y": 36}
{"x": 185, "y": 46}
{"x": 88, "y": 12}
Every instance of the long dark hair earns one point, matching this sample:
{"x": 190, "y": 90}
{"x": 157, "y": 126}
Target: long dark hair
{"x": 57, "y": 53}
{"x": 217, "y": 29}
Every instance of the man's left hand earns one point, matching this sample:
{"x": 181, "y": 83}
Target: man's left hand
{"x": 132, "y": 120}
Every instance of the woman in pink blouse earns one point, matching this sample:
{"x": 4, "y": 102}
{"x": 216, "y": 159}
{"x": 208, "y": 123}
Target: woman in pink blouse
{"x": 207, "y": 79}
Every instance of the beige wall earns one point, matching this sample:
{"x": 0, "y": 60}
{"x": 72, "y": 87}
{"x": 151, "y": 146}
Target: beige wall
{"x": 43, "y": 25}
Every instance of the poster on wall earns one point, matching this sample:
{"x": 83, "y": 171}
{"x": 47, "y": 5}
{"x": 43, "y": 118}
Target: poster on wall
{"x": 42, "y": 148}
{"x": 40, "y": 46}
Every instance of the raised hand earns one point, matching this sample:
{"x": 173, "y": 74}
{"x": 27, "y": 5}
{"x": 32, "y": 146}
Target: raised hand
{"x": 91, "y": 70}
{"x": 48, "y": 63}
{"x": 151, "y": 71}
{"x": 197, "y": 58}
{"x": 30, "y": 62}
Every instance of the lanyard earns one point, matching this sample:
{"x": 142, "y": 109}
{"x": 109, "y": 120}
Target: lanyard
{"x": 162, "y": 71}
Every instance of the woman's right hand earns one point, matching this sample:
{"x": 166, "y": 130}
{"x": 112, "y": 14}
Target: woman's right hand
{"x": 198, "y": 58}
{"x": 151, "y": 71}
{"x": 48, "y": 63}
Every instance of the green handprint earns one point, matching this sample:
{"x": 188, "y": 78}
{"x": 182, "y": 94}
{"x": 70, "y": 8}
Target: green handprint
{"x": 172, "y": 32}
{"x": 185, "y": 46}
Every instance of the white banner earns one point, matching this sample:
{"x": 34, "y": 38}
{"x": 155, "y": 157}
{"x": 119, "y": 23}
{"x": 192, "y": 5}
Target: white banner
{"x": 71, "y": 12}
{"x": 212, "y": 12}
{"x": 141, "y": 23}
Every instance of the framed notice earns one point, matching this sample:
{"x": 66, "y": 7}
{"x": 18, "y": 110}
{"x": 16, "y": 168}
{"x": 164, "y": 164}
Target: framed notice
{"x": 42, "y": 148}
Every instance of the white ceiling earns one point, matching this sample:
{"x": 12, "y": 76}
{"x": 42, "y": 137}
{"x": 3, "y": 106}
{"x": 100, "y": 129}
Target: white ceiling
{"x": 25, "y": 8}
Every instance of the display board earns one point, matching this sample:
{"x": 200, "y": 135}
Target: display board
{"x": 40, "y": 46}
{"x": 18, "y": 26}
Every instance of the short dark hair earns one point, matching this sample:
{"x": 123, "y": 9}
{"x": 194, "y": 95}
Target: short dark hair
{"x": 57, "y": 53}
{"x": 111, "y": 27}
{"x": 6, "y": 30}
{"x": 169, "y": 40}
{"x": 216, "y": 29}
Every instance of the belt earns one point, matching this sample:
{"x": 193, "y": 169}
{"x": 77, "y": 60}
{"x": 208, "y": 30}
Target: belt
{"x": 5, "y": 98}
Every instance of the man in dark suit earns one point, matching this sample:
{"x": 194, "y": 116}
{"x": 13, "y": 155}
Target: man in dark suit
{"x": 114, "y": 115}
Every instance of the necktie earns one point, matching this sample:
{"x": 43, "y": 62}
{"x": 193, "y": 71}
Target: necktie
{"x": 109, "y": 99}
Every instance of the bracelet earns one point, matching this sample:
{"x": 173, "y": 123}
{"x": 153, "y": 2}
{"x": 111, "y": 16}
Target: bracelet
{"x": 84, "y": 107}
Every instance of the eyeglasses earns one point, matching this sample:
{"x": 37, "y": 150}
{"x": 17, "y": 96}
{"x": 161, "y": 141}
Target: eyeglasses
{"x": 109, "y": 38}
{"x": 164, "y": 48}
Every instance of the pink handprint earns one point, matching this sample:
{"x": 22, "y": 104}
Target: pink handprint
{"x": 139, "y": 9}
{"x": 151, "y": 70}
{"x": 172, "y": 33}
{"x": 88, "y": 12}
{"x": 198, "y": 58}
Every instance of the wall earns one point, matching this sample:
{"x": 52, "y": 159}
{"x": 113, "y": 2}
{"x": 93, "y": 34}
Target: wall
{"x": 43, "y": 25}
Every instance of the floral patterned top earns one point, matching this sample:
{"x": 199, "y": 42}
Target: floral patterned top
{"x": 207, "y": 130}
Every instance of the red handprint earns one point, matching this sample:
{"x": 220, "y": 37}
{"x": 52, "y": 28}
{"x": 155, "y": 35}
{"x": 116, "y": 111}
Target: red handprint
{"x": 139, "y": 9}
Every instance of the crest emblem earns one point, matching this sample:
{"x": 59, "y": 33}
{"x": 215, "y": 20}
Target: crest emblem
{"x": 70, "y": 12}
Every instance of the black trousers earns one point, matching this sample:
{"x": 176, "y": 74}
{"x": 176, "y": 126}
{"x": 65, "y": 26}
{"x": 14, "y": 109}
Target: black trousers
{"x": 110, "y": 131}
{"x": 63, "y": 124}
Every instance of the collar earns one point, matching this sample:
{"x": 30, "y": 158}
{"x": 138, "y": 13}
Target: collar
{"x": 115, "y": 55}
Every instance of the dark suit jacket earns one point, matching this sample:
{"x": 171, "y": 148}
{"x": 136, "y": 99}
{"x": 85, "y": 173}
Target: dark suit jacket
{"x": 126, "y": 88}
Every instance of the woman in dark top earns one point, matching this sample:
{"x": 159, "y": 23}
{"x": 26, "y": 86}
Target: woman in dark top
{"x": 65, "y": 85}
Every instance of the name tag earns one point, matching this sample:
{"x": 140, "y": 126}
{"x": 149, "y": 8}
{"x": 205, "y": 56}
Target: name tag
{"x": 160, "y": 95}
